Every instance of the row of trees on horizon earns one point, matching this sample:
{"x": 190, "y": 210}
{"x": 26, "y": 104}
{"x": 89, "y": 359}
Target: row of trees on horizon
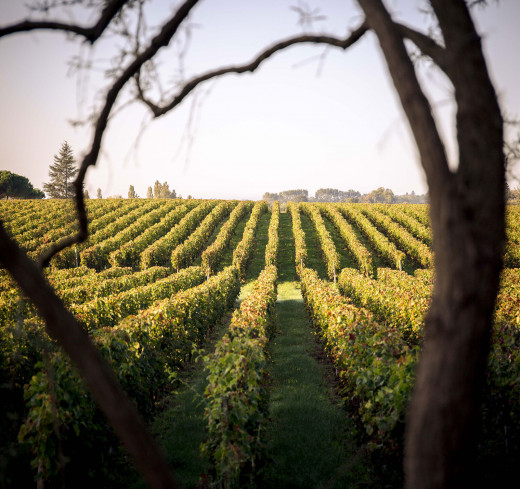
{"x": 381, "y": 195}
{"x": 63, "y": 172}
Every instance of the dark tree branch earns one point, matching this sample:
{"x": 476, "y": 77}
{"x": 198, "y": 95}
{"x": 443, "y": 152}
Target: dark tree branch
{"x": 413, "y": 100}
{"x": 91, "y": 34}
{"x": 158, "y": 111}
{"x": 160, "y": 40}
{"x": 64, "y": 328}
{"x": 426, "y": 44}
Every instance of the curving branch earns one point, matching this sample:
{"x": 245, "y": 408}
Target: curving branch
{"x": 91, "y": 34}
{"x": 162, "y": 39}
{"x": 250, "y": 67}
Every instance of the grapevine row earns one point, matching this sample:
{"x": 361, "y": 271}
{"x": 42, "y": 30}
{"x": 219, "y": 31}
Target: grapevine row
{"x": 242, "y": 252}
{"x": 185, "y": 253}
{"x": 237, "y": 411}
{"x": 237, "y": 406}
{"x": 378, "y": 240}
{"x": 415, "y": 248}
{"x": 159, "y": 253}
{"x": 97, "y": 256}
{"x": 128, "y": 254}
{"x": 212, "y": 255}
{"x": 328, "y": 247}
{"x": 298, "y": 235}
{"x": 358, "y": 250}
{"x": 145, "y": 351}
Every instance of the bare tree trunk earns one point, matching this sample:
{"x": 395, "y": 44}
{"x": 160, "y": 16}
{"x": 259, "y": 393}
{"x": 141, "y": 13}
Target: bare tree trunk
{"x": 467, "y": 213}
{"x": 468, "y": 225}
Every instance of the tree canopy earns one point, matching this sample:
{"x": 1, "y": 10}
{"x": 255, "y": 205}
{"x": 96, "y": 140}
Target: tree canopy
{"x": 13, "y": 186}
{"x": 162, "y": 191}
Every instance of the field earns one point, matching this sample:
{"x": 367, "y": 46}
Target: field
{"x": 209, "y": 311}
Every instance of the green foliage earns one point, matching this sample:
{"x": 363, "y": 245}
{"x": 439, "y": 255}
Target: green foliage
{"x": 62, "y": 174}
{"x": 13, "y": 186}
{"x": 149, "y": 323}
{"x": 242, "y": 252}
{"x": 212, "y": 255}
{"x": 381, "y": 195}
{"x": 185, "y": 253}
{"x": 237, "y": 395}
{"x": 360, "y": 253}
{"x": 298, "y": 235}
{"x": 132, "y": 193}
{"x": 161, "y": 191}
{"x": 373, "y": 360}
{"x": 382, "y": 244}
{"x": 271, "y": 249}
{"x": 159, "y": 252}
{"x": 328, "y": 248}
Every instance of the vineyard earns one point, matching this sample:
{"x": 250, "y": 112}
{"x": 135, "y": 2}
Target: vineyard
{"x": 158, "y": 280}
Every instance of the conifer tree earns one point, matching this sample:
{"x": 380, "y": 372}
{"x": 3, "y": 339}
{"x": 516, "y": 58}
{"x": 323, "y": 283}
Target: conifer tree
{"x": 99, "y": 196}
{"x": 149, "y": 193}
{"x": 62, "y": 174}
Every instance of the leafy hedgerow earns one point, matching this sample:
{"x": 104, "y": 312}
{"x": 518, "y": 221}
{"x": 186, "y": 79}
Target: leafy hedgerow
{"x": 327, "y": 244}
{"x": 212, "y": 255}
{"x": 237, "y": 396}
{"x": 146, "y": 352}
{"x": 159, "y": 252}
{"x": 242, "y": 252}
{"x": 374, "y": 362}
{"x": 382, "y": 244}
{"x": 358, "y": 250}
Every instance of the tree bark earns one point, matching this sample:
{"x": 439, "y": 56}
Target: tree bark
{"x": 467, "y": 214}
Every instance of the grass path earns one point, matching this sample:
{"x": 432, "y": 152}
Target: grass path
{"x": 310, "y": 440}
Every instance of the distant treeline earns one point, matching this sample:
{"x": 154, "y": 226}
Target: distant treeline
{"x": 381, "y": 195}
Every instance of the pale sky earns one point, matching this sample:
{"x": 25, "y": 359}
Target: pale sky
{"x": 296, "y": 123}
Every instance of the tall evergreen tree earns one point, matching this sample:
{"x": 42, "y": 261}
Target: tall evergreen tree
{"x": 149, "y": 193}
{"x": 62, "y": 174}
{"x": 99, "y": 196}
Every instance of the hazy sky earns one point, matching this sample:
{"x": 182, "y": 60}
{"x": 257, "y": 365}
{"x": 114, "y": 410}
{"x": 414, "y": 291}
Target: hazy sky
{"x": 309, "y": 118}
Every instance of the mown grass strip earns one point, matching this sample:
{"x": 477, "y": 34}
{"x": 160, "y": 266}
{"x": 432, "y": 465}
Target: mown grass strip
{"x": 311, "y": 440}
